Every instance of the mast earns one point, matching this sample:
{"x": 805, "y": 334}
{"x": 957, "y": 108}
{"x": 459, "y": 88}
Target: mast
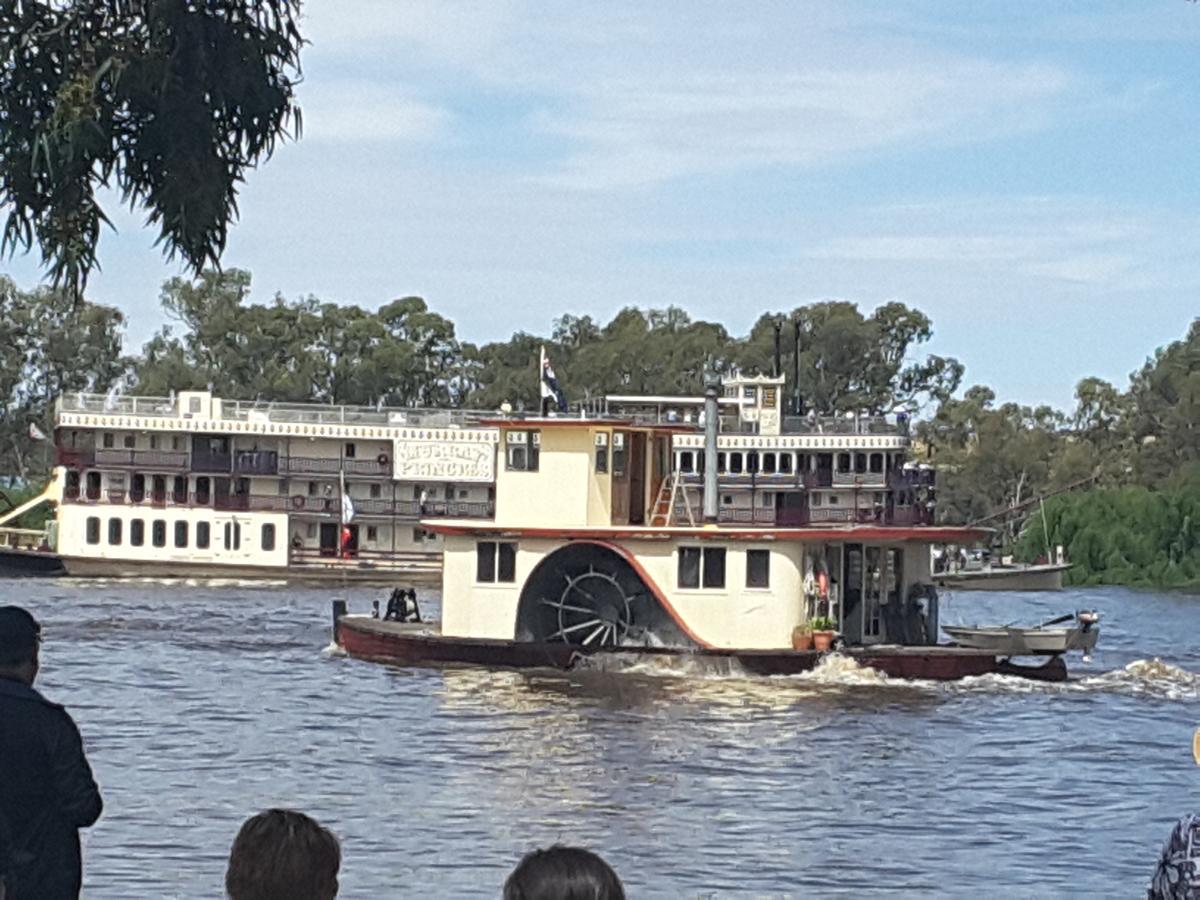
{"x": 712, "y": 385}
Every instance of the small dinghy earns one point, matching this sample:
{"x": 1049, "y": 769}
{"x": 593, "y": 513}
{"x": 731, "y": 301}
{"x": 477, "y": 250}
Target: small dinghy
{"x": 1038, "y": 640}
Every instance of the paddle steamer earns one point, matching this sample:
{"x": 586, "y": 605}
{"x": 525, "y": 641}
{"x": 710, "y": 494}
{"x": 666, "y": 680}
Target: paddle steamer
{"x": 711, "y": 527}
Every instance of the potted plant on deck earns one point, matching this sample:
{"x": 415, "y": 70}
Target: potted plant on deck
{"x": 802, "y": 638}
{"x": 823, "y": 631}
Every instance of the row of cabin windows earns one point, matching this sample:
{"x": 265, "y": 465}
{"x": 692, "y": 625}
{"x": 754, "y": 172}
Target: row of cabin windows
{"x": 522, "y": 452}
{"x": 176, "y": 442}
{"x": 158, "y": 533}
{"x": 128, "y": 441}
{"x": 778, "y": 462}
{"x": 704, "y": 567}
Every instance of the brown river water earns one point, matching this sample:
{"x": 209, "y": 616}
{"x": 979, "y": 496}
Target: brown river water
{"x": 203, "y": 703}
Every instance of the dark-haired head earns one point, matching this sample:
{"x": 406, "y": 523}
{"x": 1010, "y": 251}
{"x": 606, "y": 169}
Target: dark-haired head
{"x": 20, "y": 636}
{"x": 282, "y": 854}
{"x": 563, "y": 873}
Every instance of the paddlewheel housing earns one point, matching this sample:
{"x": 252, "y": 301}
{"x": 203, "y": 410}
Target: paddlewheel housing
{"x": 588, "y": 595}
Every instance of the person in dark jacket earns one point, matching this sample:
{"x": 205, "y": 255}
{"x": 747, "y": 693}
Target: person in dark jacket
{"x": 47, "y": 792}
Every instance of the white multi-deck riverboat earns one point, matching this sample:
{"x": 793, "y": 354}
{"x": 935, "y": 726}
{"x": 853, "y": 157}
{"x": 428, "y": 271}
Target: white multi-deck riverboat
{"x": 196, "y": 485}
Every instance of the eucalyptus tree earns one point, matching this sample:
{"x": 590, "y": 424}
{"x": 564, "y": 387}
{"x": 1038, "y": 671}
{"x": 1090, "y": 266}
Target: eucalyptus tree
{"x": 169, "y": 104}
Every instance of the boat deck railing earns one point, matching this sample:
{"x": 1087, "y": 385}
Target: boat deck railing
{"x": 22, "y": 538}
{"x": 269, "y": 411}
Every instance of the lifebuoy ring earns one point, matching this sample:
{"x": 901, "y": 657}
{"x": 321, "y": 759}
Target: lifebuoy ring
{"x": 382, "y": 459}
{"x": 298, "y": 501}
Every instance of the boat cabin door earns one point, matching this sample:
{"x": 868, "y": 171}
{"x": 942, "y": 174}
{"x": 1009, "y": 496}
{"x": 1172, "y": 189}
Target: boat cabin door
{"x": 637, "y": 477}
{"x": 871, "y": 577}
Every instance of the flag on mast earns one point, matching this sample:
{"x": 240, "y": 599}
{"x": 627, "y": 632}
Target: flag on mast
{"x": 347, "y": 503}
{"x": 551, "y": 392}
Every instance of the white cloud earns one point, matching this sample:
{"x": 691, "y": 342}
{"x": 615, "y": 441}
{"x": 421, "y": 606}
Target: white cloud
{"x": 633, "y": 132}
{"x": 365, "y": 111}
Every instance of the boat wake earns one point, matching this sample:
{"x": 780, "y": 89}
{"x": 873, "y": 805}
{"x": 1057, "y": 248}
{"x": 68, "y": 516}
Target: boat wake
{"x": 1146, "y": 677}
{"x": 1150, "y": 678}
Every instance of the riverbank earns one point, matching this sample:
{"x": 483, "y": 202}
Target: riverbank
{"x": 1130, "y": 536}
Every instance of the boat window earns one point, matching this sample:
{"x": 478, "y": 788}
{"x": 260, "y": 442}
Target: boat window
{"x": 506, "y": 567}
{"x": 689, "y": 567}
{"x": 180, "y": 489}
{"x": 137, "y": 487}
{"x": 202, "y": 488}
{"x": 785, "y": 462}
{"x": 713, "y": 574}
{"x": 687, "y": 461}
{"x": 860, "y": 463}
{"x": 701, "y": 567}
{"x": 202, "y": 535}
{"x": 735, "y": 463}
{"x": 376, "y": 491}
{"x": 114, "y": 531}
{"x": 768, "y": 463}
{"x": 128, "y": 441}
{"x": 93, "y": 530}
{"x": 721, "y": 463}
{"x": 137, "y": 532}
{"x": 843, "y": 462}
{"x": 108, "y": 440}
{"x": 834, "y": 500}
{"x": 877, "y": 463}
{"x": 522, "y": 451}
{"x": 233, "y": 536}
{"x": 485, "y": 561}
{"x": 758, "y": 568}
{"x": 618, "y": 453}
{"x": 602, "y": 452}
{"x": 350, "y": 451}
{"x": 181, "y": 534}
{"x": 495, "y": 561}
{"x": 752, "y": 461}
{"x": 749, "y": 393}
{"x": 372, "y": 535}
{"x": 268, "y": 536}
{"x": 154, "y": 442}
{"x": 158, "y": 533}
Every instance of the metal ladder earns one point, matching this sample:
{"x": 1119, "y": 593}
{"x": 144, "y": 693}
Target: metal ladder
{"x": 670, "y": 493}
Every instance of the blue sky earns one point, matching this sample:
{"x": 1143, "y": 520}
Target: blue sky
{"x": 1024, "y": 172}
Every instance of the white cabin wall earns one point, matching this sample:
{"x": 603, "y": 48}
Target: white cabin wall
{"x": 736, "y": 615}
{"x": 480, "y": 610}
{"x": 72, "y": 535}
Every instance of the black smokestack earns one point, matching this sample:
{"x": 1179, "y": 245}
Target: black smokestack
{"x": 778, "y": 352}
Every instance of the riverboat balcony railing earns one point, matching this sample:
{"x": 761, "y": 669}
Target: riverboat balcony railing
{"x": 686, "y": 411}
{"x": 305, "y": 465}
{"x": 256, "y": 462}
{"x": 204, "y": 461}
{"x": 140, "y": 459}
{"x": 859, "y": 479}
{"x": 265, "y": 411}
{"x": 359, "y": 559}
{"x": 74, "y": 457}
{"x": 23, "y": 538}
{"x": 801, "y": 518}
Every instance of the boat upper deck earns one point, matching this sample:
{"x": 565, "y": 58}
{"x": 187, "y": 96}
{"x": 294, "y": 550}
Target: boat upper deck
{"x": 103, "y": 408}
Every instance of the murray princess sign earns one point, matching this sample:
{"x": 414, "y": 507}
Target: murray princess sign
{"x": 444, "y": 460}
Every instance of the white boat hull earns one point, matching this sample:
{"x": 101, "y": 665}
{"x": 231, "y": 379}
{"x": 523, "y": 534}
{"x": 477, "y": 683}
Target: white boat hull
{"x": 1048, "y": 577}
{"x": 1009, "y": 641}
